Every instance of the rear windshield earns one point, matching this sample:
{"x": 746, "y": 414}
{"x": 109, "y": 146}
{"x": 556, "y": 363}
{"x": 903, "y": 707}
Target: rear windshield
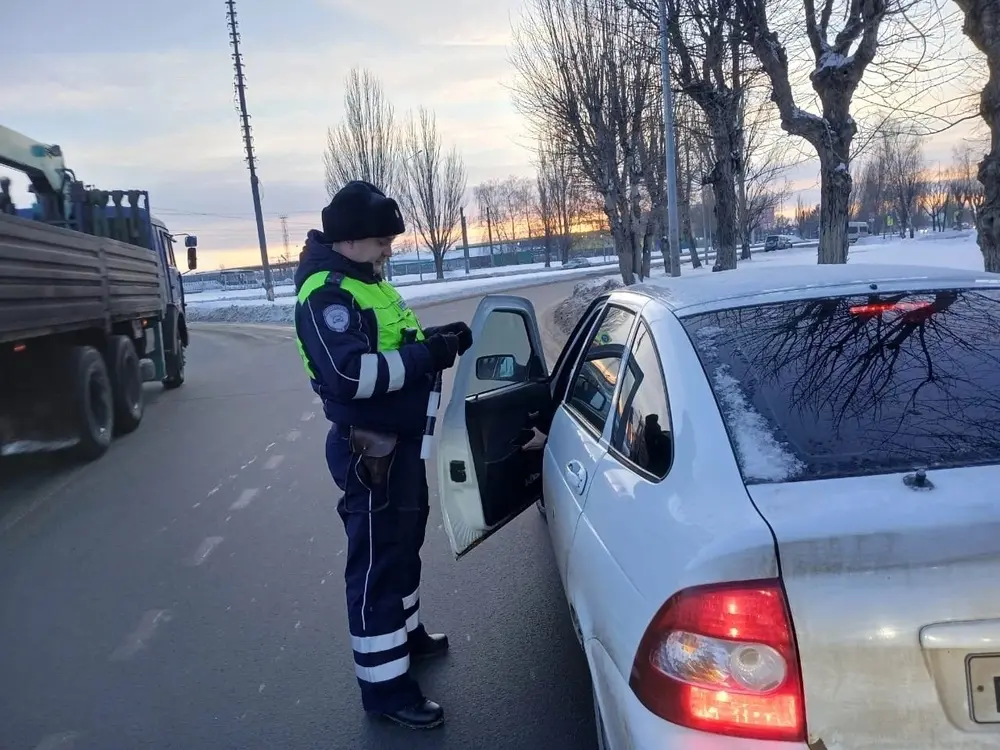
{"x": 848, "y": 386}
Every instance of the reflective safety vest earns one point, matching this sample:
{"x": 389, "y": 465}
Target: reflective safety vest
{"x": 392, "y": 314}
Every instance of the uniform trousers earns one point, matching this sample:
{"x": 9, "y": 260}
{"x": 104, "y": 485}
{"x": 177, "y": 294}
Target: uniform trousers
{"x": 385, "y": 524}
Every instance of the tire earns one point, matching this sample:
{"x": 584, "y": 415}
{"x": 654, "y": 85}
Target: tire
{"x": 126, "y": 382}
{"x": 91, "y": 402}
{"x": 174, "y": 356}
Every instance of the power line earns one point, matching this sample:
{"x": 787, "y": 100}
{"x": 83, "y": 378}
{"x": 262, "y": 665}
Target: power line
{"x": 234, "y": 39}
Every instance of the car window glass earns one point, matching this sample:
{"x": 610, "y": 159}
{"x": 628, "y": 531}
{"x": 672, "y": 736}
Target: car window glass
{"x": 504, "y": 353}
{"x": 642, "y": 433}
{"x": 852, "y": 386}
{"x": 168, "y": 245}
{"x": 594, "y": 382}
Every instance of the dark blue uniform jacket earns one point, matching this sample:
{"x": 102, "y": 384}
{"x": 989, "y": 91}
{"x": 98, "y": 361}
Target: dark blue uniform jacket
{"x": 359, "y": 385}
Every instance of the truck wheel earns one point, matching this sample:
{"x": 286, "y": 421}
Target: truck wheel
{"x": 174, "y": 357}
{"x": 91, "y": 402}
{"x": 126, "y": 383}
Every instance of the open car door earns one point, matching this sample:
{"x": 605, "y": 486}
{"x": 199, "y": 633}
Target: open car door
{"x": 501, "y": 391}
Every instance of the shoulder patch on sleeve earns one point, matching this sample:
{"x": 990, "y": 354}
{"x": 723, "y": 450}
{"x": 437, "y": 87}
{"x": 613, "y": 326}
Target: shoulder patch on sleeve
{"x": 337, "y": 318}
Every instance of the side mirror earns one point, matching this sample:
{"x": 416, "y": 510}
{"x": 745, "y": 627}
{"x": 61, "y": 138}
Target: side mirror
{"x": 497, "y": 367}
{"x": 191, "y": 243}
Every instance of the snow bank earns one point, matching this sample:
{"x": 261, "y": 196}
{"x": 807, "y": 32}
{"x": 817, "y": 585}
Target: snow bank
{"x": 570, "y": 310}
{"x": 236, "y": 308}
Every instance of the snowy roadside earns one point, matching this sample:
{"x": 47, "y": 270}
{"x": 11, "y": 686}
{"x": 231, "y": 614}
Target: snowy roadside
{"x": 953, "y": 249}
{"x": 282, "y": 310}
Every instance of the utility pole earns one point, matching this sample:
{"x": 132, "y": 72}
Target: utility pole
{"x": 465, "y": 239}
{"x": 668, "y": 143}
{"x": 234, "y": 40}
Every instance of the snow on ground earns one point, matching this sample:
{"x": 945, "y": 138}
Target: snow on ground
{"x": 236, "y": 307}
{"x": 947, "y": 249}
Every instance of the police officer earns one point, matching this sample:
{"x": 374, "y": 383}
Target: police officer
{"x": 373, "y": 365}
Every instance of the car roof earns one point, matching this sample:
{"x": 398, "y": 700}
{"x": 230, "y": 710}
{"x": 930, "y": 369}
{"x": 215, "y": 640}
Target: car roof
{"x": 768, "y": 282}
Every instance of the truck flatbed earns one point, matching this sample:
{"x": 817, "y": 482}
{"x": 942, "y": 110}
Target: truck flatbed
{"x": 55, "y": 280}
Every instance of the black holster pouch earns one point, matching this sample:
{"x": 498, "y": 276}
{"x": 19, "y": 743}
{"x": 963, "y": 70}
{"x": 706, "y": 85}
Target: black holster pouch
{"x": 375, "y": 450}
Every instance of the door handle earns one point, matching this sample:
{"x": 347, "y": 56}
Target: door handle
{"x": 576, "y": 475}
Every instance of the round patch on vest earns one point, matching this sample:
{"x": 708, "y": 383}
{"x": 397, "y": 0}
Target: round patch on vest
{"x": 337, "y": 318}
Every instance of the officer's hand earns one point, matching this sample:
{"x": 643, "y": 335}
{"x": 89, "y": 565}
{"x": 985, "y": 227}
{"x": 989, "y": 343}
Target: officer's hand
{"x": 464, "y": 334}
{"x": 459, "y": 329}
{"x": 444, "y": 349}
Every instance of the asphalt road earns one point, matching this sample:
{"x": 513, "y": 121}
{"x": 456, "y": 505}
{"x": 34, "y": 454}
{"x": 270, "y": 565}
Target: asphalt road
{"x": 186, "y": 591}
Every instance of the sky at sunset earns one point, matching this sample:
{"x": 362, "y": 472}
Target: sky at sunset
{"x": 140, "y": 95}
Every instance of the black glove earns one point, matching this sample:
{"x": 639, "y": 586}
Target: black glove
{"x": 443, "y": 348}
{"x": 459, "y": 329}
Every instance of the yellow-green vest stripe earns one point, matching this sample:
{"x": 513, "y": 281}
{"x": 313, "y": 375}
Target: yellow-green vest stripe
{"x": 391, "y": 313}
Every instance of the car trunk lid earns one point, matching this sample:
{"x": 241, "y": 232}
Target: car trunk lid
{"x": 892, "y": 583}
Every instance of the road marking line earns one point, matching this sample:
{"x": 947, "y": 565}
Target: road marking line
{"x": 204, "y": 550}
{"x": 292, "y": 436}
{"x": 274, "y": 462}
{"x": 306, "y": 416}
{"x": 246, "y": 497}
{"x": 139, "y": 638}
{"x": 269, "y": 446}
{"x": 61, "y": 741}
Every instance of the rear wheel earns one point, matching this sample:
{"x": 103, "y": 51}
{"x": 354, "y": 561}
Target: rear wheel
{"x": 91, "y": 402}
{"x": 174, "y": 355}
{"x": 126, "y": 380}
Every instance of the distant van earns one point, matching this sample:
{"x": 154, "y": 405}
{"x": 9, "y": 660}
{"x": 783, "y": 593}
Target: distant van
{"x": 856, "y": 230}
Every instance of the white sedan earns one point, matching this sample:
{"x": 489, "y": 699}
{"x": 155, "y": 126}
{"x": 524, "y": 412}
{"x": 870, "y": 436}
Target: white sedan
{"x": 774, "y": 499}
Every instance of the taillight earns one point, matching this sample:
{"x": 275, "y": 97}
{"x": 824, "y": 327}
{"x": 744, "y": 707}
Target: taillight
{"x": 721, "y": 658}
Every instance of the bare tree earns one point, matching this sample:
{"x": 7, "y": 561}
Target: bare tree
{"x": 935, "y": 200}
{"x": 708, "y": 71}
{"x": 560, "y": 195}
{"x": 982, "y": 26}
{"x": 904, "y": 163}
{"x": 436, "y": 184}
{"x": 840, "y": 58}
{"x": 493, "y": 209}
{"x": 584, "y": 76}
{"x": 966, "y": 188}
{"x": 365, "y": 144}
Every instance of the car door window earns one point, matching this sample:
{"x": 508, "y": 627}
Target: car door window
{"x": 505, "y": 354}
{"x": 642, "y": 433}
{"x": 593, "y": 387}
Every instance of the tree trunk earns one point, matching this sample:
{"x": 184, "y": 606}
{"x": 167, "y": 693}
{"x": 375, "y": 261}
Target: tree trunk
{"x": 438, "y": 264}
{"x": 725, "y": 216}
{"x": 982, "y": 26}
{"x": 835, "y": 202}
{"x": 723, "y": 181}
{"x": 988, "y": 214}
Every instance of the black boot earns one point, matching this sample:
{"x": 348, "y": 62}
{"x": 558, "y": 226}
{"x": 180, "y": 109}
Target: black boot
{"x": 423, "y": 715}
{"x": 424, "y": 645}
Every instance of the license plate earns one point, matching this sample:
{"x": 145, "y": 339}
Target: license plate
{"x": 984, "y": 688}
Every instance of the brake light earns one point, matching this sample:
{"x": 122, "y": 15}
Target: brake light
{"x": 877, "y": 308}
{"x": 721, "y": 658}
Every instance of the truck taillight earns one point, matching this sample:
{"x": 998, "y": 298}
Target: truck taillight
{"x": 721, "y": 658}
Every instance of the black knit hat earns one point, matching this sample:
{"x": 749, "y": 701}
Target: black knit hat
{"x": 359, "y": 211}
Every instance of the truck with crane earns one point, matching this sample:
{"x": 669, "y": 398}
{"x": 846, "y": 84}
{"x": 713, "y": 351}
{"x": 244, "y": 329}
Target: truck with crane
{"x": 91, "y": 307}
